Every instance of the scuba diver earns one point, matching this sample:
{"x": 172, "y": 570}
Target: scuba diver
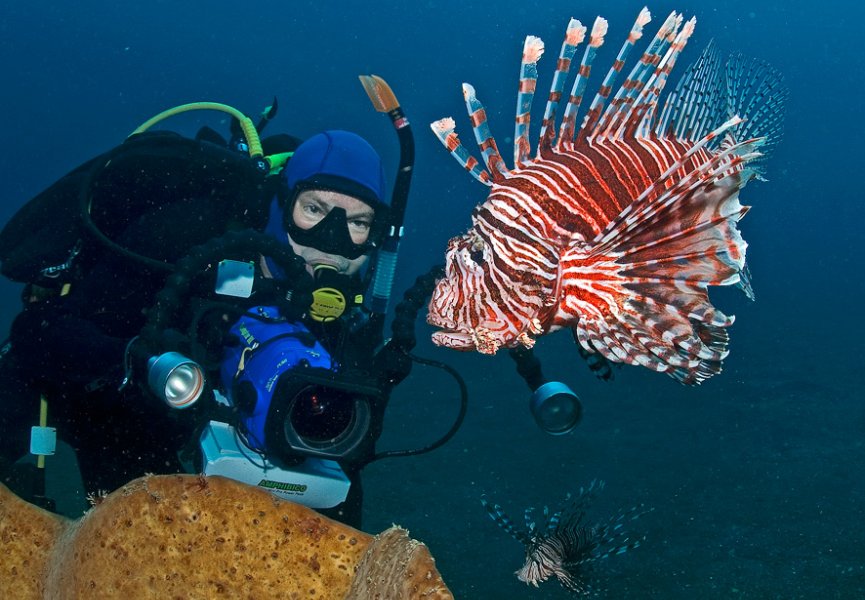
{"x": 204, "y": 267}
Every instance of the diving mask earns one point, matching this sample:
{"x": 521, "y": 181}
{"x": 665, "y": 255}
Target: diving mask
{"x": 330, "y": 235}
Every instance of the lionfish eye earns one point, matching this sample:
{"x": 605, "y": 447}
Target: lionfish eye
{"x": 477, "y": 256}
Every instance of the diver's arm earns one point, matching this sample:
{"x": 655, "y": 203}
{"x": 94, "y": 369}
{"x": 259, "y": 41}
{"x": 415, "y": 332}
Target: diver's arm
{"x": 60, "y": 348}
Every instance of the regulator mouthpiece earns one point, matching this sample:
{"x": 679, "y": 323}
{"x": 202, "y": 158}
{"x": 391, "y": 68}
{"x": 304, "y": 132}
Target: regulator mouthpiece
{"x": 333, "y": 294}
{"x": 175, "y": 379}
{"x": 556, "y": 408}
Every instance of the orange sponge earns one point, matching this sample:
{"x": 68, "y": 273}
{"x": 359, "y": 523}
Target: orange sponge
{"x": 184, "y": 536}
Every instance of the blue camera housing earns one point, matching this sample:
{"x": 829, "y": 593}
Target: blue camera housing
{"x": 268, "y": 347}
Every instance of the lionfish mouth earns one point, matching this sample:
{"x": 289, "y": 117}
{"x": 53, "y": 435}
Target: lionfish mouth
{"x": 479, "y": 338}
{"x": 452, "y": 338}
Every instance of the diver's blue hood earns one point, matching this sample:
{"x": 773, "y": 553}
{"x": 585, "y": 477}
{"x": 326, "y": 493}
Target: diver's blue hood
{"x": 340, "y": 161}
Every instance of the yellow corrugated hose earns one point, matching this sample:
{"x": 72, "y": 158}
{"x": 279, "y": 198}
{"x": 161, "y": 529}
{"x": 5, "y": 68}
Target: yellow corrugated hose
{"x": 246, "y": 124}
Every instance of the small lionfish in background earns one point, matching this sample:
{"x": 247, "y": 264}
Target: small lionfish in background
{"x": 614, "y": 230}
{"x": 562, "y": 545}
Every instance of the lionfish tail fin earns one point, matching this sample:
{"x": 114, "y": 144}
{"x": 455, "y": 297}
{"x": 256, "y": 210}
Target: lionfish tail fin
{"x": 445, "y": 130}
{"x": 660, "y": 255}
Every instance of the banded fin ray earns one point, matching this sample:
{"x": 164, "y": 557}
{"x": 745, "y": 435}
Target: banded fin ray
{"x": 567, "y": 130}
{"x": 445, "y": 130}
{"x": 574, "y": 36}
{"x": 533, "y": 49}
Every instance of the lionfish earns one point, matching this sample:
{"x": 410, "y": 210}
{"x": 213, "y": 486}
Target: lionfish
{"x": 563, "y": 546}
{"x": 614, "y": 230}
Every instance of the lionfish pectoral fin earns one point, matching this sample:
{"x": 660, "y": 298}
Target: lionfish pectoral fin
{"x": 656, "y": 261}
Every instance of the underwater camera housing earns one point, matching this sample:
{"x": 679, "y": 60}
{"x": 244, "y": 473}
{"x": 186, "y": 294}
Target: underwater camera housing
{"x": 298, "y": 419}
{"x": 314, "y": 482}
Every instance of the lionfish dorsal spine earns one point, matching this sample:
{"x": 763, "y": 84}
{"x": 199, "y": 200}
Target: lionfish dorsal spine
{"x": 445, "y": 130}
{"x": 484, "y": 137}
{"x": 567, "y": 129}
{"x": 533, "y": 49}
{"x": 589, "y": 127}
{"x": 574, "y": 36}
{"x": 529, "y": 518}
{"x": 553, "y": 521}
{"x": 635, "y": 213}
{"x": 624, "y": 97}
{"x": 647, "y": 103}
{"x": 636, "y": 98}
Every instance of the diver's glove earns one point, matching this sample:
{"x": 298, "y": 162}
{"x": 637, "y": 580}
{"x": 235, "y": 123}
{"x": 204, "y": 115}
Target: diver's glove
{"x": 393, "y": 363}
{"x": 139, "y": 351}
{"x": 297, "y": 302}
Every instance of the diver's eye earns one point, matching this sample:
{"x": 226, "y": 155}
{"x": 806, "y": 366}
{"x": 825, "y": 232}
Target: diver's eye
{"x": 477, "y": 256}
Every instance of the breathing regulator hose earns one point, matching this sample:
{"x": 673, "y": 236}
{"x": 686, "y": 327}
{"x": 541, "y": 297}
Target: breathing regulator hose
{"x": 246, "y": 125}
{"x": 264, "y": 164}
{"x": 170, "y": 300}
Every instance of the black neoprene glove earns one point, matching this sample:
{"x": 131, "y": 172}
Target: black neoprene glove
{"x": 393, "y": 363}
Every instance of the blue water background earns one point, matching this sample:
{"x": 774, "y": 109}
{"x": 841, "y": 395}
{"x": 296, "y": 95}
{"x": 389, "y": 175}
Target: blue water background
{"x": 756, "y": 477}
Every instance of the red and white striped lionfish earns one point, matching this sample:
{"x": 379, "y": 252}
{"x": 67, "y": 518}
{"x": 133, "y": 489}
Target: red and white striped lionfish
{"x": 563, "y": 546}
{"x": 615, "y": 230}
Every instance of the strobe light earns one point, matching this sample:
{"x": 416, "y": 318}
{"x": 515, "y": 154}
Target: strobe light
{"x": 556, "y": 408}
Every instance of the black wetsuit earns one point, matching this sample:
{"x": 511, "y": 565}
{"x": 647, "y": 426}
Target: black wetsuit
{"x": 71, "y": 348}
